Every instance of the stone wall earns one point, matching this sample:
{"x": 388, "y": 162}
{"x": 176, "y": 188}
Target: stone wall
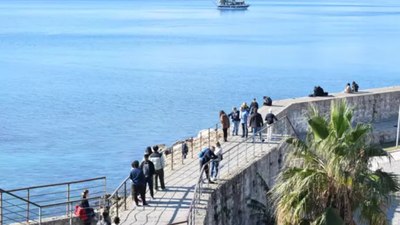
{"x": 379, "y": 109}
{"x": 227, "y": 204}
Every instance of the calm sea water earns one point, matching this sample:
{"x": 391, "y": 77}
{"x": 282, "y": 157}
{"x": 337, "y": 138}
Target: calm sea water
{"x": 86, "y": 85}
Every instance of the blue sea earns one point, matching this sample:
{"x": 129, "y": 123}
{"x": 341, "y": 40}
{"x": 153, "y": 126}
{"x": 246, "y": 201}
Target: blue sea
{"x": 86, "y": 85}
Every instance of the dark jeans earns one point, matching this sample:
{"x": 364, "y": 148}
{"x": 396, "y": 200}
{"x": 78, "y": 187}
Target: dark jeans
{"x": 225, "y": 133}
{"x": 245, "y": 130}
{"x": 139, "y": 190}
{"x": 149, "y": 182}
{"x": 206, "y": 170}
{"x": 159, "y": 175}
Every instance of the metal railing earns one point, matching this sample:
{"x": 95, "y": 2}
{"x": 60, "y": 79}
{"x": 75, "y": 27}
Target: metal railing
{"x": 281, "y": 130}
{"x": 118, "y": 200}
{"x": 205, "y": 138}
{"x": 33, "y": 204}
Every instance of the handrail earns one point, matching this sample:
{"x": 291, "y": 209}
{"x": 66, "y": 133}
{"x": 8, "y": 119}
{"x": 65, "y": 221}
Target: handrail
{"x": 69, "y": 202}
{"x": 199, "y": 181}
{"x": 43, "y": 202}
{"x": 119, "y": 187}
{"x": 16, "y": 196}
{"x": 57, "y": 184}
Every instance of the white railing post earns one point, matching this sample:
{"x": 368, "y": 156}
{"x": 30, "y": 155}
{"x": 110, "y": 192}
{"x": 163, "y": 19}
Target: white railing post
{"x": 28, "y": 197}
{"x": 40, "y": 215}
{"x": 70, "y": 213}
{"x": 69, "y": 208}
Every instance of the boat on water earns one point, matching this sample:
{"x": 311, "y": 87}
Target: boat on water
{"x": 232, "y": 4}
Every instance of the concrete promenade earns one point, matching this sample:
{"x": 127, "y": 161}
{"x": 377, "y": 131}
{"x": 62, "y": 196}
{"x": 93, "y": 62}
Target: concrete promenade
{"x": 172, "y": 205}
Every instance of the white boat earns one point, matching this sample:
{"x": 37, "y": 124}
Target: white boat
{"x": 232, "y": 4}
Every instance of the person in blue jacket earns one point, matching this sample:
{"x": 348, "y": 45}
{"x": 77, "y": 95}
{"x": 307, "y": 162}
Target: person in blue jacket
{"x": 205, "y": 156}
{"x": 138, "y": 183}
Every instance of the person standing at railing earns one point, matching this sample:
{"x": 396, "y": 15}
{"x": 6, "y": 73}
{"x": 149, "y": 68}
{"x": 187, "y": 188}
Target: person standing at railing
{"x": 256, "y": 123}
{"x": 88, "y": 210}
{"x": 159, "y": 163}
{"x": 270, "y": 118}
{"x": 185, "y": 149}
{"x": 148, "y": 169}
{"x": 215, "y": 163}
{"x": 138, "y": 183}
{"x": 205, "y": 156}
{"x": 235, "y": 117}
{"x": 244, "y": 115}
{"x": 225, "y": 124}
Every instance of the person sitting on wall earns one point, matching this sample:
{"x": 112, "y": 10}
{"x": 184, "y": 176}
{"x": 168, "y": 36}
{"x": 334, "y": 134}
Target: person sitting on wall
{"x": 347, "y": 89}
{"x": 318, "y": 91}
{"x": 267, "y": 101}
{"x": 354, "y": 87}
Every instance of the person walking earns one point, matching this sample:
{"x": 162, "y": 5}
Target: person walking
{"x": 244, "y": 114}
{"x": 235, "y": 117}
{"x": 215, "y": 162}
{"x": 138, "y": 183}
{"x": 205, "y": 156}
{"x": 270, "y": 118}
{"x": 148, "y": 169}
{"x": 159, "y": 163}
{"x": 225, "y": 124}
{"x": 256, "y": 122}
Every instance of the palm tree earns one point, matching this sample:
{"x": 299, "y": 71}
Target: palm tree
{"x": 327, "y": 178}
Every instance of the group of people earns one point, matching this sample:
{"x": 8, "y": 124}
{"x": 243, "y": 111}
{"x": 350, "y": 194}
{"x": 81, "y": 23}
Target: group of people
{"x": 352, "y": 89}
{"x": 88, "y": 216}
{"x": 143, "y": 174}
{"x": 247, "y": 117}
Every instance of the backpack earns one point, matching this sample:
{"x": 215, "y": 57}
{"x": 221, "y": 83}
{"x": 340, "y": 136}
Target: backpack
{"x": 80, "y": 213}
{"x": 202, "y": 153}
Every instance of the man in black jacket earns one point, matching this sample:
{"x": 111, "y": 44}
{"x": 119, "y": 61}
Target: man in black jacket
{"x": 256, "y": 122}
{"x": 148, "y": 169}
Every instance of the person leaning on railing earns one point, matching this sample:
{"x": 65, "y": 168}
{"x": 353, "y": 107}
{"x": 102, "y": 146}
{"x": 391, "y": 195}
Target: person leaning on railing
{"x": 205, "y": 156}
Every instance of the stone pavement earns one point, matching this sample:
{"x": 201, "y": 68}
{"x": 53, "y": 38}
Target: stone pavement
{"x": 172, "y": 205}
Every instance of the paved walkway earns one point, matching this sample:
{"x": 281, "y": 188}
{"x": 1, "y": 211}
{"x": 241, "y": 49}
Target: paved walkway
{"x": 172, "y": 205}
